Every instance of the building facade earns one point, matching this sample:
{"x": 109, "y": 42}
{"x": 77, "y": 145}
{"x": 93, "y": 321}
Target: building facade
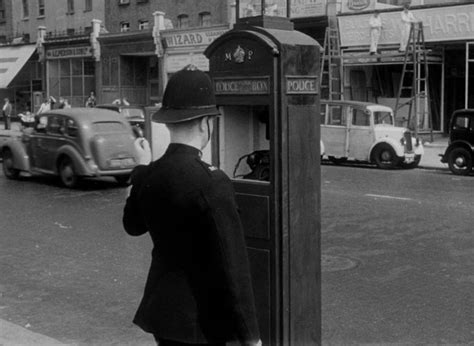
{"x": 148, "y": 40}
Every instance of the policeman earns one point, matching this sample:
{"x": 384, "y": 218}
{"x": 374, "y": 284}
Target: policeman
{"x": 199, "y": 288}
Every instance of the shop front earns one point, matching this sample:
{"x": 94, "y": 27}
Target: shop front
{"x": 20, "y": 76}
{"x": 70, "y": 71}
{"x": 449, "y": 43}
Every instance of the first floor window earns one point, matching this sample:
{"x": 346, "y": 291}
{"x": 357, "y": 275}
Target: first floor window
{"x": 26, "y": 11}
{"x": 183, "y": 21}
{"x": 41, "y": 8}
{"x": 143, "y": 25}
{"x": 124, "y": 26}
{"x": 70, "y": 6}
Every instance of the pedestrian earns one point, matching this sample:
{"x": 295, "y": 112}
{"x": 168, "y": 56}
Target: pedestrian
{"x": 52, "y": 102}
{"x": 375, "y": 24}
{"x": 407, "y": 18}
{"x": 91, "y": 100}
{"x": 45, "y": 106}
{"x": 199, "y": 288}
{"x": 7, "y": 113}
{"x": 66, "y": 104}
{"x": 61, "y": 103}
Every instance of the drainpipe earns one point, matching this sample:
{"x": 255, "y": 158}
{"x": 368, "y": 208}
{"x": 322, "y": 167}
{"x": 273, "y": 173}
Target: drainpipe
{"x": 40, "y": 38}
{"x": 41, "y": 34}
{"x": 159, "y": 25}
{"x": 93, "y": 38}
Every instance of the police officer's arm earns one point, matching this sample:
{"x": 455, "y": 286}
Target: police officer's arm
{"x": 227, "y": 243}
{"x": 132, "y": 220}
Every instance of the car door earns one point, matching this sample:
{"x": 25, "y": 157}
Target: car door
{"x": 334, "y": 130}
{"x": 54, "y": 140}
{"x": 37, "y": 143}
{"x": 460, "y": 127}
{"x": 361, "y": 133}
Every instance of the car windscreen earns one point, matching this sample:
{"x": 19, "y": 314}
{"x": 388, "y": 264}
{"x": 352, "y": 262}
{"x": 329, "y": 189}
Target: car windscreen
{"x": 109, "y": 127}
{"x": 383, "y": 118}
{"x": 132, "y": 113}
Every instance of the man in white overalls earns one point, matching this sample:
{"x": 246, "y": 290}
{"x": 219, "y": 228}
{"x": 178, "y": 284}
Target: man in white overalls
{"x": 375, "y": 24}
{"x": 407, "y": 18}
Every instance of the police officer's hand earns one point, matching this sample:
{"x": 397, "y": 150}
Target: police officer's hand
{"x": 142, "y": 148}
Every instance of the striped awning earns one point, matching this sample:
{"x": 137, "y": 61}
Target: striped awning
{"x": 12, "y": 59}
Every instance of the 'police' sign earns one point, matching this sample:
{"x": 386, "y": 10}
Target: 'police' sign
{"x": 302, "y": 85}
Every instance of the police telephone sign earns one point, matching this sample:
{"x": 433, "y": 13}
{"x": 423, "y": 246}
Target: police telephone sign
{"x": 238, "y": 86}
{"x": 302, "y": 85}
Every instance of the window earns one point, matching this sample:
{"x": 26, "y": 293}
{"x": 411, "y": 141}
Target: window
{"x": 337, "y": 116}
{"x": 124, "y": 2}
{"x": 183, "y": 21}
{"x": 360, "y": 118}
{"x": 205, "y": 19}
{"x": 143, "y": 25}
{"x": 26, "y": 10}
{"x": 55, "y": 124}
{"x": 383, "y": 118}
{"x": 124, "y": 26}
{"x": 461, "y": 122}
{"x": 40, "y": 8}
{"x": 87, "y": 5}
{"x": 71, "y": 128}
{"x": 70, "y": 6}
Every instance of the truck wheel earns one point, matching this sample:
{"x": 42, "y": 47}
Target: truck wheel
{"x": 8, "y": 170}
{"x": 460, "y": 161}
{"x": 385, "y": 157}
{"x": 337, "y": 160}
{"x": 413, "y": 164}
{"x": 67, "y": 173}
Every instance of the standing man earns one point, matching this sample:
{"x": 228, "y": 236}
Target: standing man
{"x": 7, "y": 113}
{"x": 199, "y": 287}
{"x": 407, "y": 18}
{"x": 375, "y": 24}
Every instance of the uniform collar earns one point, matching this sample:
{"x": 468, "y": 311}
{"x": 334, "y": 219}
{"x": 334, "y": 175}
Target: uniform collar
{"x": 179, "y": 148}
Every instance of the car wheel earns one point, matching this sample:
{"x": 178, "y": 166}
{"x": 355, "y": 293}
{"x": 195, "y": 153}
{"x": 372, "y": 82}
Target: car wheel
{"x": 413, "y": 164}
{"x": 67, "y": 173}
{"x": 122, "y": 179}
{"x": 385, "y": 157}
{"x": 460, "y": 161}
{"x": 8, "y": 170}
{"x": 337, "y": 160}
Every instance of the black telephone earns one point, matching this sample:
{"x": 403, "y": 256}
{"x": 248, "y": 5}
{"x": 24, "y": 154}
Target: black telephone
{"x": 259, "y": 163}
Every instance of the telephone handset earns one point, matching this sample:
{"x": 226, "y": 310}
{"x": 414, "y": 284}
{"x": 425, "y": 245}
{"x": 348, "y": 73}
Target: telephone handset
{"x": 259, "y": 163}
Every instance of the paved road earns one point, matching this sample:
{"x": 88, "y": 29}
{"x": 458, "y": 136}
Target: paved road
{"x": 406, "y": 238}
{"x": 398, "y": 249}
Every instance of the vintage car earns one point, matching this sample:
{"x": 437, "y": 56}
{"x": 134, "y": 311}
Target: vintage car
{"x": 364, "y": 131}
{"x": 460, "y": 152}
{"x": 73, "y": 143}
{"x": 135, "y": 115}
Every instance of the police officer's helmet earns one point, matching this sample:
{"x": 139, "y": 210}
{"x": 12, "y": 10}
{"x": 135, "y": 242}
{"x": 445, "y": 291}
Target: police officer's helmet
{"x": 188, "y": 95}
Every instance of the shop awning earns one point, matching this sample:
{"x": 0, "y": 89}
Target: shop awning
{"x": 12, "y": 59}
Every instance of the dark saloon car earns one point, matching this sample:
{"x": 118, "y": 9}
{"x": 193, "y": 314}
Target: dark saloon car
{"x": 460, "y": 152}
{"x": 73, "y": 143}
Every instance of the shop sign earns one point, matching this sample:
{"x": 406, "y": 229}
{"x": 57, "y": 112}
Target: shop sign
{"x": 69, "y": 52}
{"x": 302, "y": 85}
{"x": 191, "y": 38}
{"x": 357, "y": 5}
{"x": 242, "y": 86}
{"x": 450, "y": 23}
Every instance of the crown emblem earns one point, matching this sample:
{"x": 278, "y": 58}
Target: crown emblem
{"x": 239, "y": 55}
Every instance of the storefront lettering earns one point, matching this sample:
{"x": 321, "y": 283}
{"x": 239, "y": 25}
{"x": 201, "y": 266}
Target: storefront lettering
{"x": 439, "y": 24}
{"x": 301, "y": 85}
{"x": 241, "y": 86}
{"x": 192, "y": 38}
{"x": 61, "y": 53}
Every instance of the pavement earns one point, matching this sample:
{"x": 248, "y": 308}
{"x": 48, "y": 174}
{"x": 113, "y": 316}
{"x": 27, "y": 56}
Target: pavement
{"x": 431, "y": 158}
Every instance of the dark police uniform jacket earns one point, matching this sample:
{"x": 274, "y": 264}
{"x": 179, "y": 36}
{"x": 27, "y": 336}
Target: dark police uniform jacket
{"x": 198, "y": 288}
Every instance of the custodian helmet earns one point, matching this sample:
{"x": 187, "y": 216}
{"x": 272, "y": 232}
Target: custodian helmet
{"x": 188, "y": 95}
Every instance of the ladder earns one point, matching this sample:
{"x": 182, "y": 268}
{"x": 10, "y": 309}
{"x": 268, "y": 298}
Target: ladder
{"x": 414, "y": 79}
{"x": 331, "y": 87}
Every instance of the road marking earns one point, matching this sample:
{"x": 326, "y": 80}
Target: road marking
{"x": 389, "y": 197}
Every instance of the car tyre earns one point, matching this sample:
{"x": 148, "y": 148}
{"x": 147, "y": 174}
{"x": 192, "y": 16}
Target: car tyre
{"x": 337, "y": 160}
{"x": 413, "y": 164}
{"x": 385, "y": 157}
{"x": 460, "y": 161}
{"x": 67, "y": 173}
{"x": 8, "y": 164}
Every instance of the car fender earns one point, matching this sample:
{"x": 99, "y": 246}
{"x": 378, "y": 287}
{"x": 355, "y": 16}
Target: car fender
{"x": 79, "y": 162}
{"x": 417, "y": 149}
{"x": 397, "y": 146}
{"x": 457, "y": 144}
{"x": 21, "y": 159}
{"x": 321, "y": 148}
